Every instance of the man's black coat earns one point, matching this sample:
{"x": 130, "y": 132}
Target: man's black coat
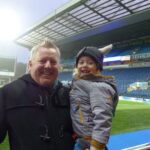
{"x": 36, "y": 118}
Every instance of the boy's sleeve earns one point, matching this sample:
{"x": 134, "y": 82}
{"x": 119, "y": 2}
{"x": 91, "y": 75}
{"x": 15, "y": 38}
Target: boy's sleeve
{"x": 3, "y": 127}
{"x": 101, "y": 99}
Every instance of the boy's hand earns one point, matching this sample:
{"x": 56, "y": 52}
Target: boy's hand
{"x": 94, "y": 148}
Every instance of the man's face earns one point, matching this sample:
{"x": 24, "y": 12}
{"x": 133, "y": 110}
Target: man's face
{"x": 44, "y": 66}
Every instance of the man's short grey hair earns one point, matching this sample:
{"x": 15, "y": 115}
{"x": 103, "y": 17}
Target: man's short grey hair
{"x": 46, "y": 43}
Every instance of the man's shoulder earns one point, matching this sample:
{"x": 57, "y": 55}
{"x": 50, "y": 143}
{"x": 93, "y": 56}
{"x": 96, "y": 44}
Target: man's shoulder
{"x": 16, "y": 84}
{"x": 64, "y": 85}
{"x": 62, "y": 94}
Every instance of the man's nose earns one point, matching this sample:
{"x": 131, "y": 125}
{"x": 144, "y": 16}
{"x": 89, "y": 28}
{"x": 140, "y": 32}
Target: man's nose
{"x": 48, "y": 64}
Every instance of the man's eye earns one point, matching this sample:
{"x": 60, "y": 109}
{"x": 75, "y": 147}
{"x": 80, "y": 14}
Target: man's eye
{"x": 53, "y": 62}
{"x": 42, "y": 61}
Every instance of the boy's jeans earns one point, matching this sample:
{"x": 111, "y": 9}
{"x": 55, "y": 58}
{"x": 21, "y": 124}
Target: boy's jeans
{"x": 81, "y": 144}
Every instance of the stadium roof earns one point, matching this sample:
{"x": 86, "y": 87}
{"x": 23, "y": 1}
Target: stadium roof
{"x": 79, "y": 19}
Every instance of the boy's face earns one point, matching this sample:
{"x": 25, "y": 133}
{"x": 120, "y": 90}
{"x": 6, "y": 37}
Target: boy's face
{"x": 86, "y": 65}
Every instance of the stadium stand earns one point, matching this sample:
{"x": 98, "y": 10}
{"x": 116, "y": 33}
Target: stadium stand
{"x": 124, "y": 78}
{"x": 98, "y": 23}
{"x": 7, "y": 69}
{"x": 130, "y": 50}
{"x": 127, "y": 76}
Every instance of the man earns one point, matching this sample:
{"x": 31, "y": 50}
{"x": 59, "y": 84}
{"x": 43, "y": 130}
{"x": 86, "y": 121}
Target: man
{"x": 34, "y": 109}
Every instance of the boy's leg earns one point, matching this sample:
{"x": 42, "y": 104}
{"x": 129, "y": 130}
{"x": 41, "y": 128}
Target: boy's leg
{"x": 77, "y": 146}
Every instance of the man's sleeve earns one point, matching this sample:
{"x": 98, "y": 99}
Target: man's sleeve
{"x": 3, "y": 127}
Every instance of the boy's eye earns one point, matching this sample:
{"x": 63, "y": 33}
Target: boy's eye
{"x": 91, "y": 63}
{"x": 81, "y": 62}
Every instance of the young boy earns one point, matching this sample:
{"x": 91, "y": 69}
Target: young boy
{"x": 93, "y": 100}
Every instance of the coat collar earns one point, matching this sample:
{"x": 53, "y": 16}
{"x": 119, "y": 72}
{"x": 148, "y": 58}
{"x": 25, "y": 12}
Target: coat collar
{"x": 28, "y": 78}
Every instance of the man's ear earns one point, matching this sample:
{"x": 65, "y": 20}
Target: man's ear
{"x": 29, "y": 64}
{"x": 60, "y": 68}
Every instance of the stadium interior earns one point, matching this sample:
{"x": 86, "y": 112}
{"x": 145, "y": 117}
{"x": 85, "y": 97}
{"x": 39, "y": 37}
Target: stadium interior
{"x": 79, "y": 23}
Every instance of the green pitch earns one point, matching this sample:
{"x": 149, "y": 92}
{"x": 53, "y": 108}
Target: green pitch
{"x": 130, "y": 116}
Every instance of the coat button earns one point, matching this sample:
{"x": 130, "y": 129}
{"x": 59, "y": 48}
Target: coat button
{"x": 45, "y": 137}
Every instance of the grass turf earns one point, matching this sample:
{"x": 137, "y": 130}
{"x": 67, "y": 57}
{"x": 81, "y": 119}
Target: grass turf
{"x": 130, "y": 116}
